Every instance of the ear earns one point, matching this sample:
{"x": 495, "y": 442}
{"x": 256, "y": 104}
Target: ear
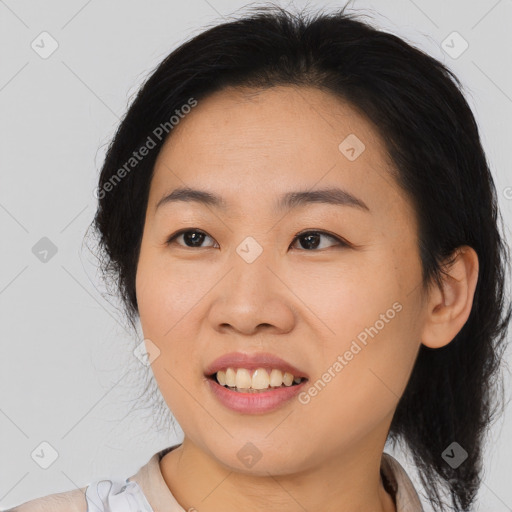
{"x": 449, "y": 306}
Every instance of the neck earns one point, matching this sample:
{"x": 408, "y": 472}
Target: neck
{"x": 349, "y": 482}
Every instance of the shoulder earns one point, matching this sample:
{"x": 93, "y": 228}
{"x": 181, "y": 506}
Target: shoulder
{"x": 105, "y": 495}
{"x": 398, "y": 484}
{"x": 69, "y": 501}
{"x": 111, "y": 494}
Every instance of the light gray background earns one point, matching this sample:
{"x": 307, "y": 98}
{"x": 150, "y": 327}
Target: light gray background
{"x": 65, "y": 353}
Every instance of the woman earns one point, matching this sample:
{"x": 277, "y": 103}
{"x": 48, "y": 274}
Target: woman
{"x": 300, "y": 213}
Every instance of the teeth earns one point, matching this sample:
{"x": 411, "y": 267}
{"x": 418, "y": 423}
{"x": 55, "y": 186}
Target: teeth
{"x": 230, "y": 377}
{"x": 241, "y": 378}
{"x": 221, "y": 378}
{"x": 260, "y": 379}
{"x": 287, "y": 379}
{"x": 276, "y": 378}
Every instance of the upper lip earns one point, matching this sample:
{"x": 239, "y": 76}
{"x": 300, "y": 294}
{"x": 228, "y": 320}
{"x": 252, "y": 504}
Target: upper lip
{"x": 252, "y": 362}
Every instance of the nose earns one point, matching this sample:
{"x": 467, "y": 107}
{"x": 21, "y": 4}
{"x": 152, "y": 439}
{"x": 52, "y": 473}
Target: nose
{"x": 252, "y": 297}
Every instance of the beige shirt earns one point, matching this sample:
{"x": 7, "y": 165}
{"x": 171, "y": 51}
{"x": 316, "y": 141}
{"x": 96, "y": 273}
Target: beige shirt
{"x": 146, "y": 491}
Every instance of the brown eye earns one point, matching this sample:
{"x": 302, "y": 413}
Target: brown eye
{"x": 192, "y": 238}
{"x": 312, "y": 239}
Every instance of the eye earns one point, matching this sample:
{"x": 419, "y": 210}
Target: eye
{"x": 311, "y": 239}
{"x": 193, "y": 238}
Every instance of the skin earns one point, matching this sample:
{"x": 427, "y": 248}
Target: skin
{"x": 304, "y": 304}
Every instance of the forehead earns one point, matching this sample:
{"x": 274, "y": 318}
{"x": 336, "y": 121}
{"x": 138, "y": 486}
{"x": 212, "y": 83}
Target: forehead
{"x": 243, "y": 141}
{"x": 302, "y": 120}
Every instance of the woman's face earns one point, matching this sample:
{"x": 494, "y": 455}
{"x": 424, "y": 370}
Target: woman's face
{"x": 349, "y": 317}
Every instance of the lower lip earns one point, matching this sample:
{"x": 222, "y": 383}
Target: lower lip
{"x": 254, "y": 403}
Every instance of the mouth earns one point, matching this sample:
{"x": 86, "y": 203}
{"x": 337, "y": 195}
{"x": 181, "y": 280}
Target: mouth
{"x": 255, "y": 383}
{"x": 254, "y": 373}
{"x": 260, "y": 380}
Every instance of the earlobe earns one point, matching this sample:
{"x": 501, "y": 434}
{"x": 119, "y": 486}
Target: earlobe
{"x": 449, "y": 306}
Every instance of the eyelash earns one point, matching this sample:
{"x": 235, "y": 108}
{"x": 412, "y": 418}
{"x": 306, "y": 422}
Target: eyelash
{"x": 340, "y": 241}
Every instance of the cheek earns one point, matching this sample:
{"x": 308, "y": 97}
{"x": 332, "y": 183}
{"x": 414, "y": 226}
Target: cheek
{"x": 364, "y": 369}
{"x": 168, "y": 300}
{"x": 370, "y": 340}
{"x": 166, "y": 296}
{"x": 347, "y": 296}
{"x": 165, "y": 300}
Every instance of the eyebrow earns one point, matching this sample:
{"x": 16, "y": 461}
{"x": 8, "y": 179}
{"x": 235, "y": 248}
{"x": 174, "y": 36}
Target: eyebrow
{"x": 288, "y": 201}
